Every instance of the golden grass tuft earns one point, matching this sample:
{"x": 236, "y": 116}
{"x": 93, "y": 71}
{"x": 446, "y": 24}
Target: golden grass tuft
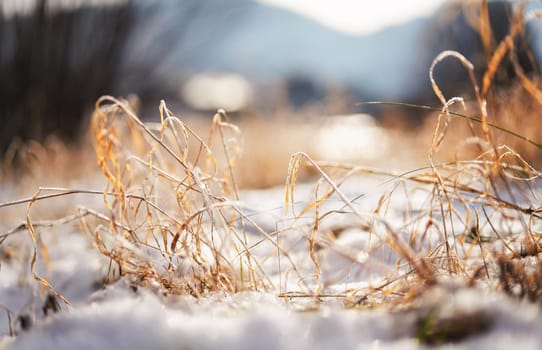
{"x": 173, "y": 218}
{"x": 481, "y": 189}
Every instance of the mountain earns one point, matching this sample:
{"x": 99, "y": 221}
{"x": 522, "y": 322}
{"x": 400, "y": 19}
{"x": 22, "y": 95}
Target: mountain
{"x": 262, "y": 43}
{"x": 268, "y": 42}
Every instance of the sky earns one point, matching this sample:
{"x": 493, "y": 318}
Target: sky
{"x": 359, "y": 16}
{"x": 348, "y": 16}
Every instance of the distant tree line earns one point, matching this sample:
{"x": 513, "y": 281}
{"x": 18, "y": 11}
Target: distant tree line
{"x": 56, "y": 61}
{"x": 54, "y": 64}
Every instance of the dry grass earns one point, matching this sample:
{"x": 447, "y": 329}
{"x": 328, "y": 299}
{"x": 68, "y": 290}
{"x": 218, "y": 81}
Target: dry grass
{"x": 268, "y": 145}
{"x": 172, "y": 203}
{"x": 481, "y": 190}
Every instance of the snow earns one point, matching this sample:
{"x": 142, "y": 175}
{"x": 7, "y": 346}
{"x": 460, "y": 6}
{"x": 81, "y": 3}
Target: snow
{"x": 122, "y": 319}
{"x": 260, "y": 323}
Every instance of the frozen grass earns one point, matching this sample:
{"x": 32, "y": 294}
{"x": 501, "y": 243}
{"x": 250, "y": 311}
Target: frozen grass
{"x": 436, "y": 249}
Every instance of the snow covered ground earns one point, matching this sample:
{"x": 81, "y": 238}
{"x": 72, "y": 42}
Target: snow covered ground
{"x": 123, "y": 316}
{"x": 121, "y": 319}
{"x": 382, "y": 262}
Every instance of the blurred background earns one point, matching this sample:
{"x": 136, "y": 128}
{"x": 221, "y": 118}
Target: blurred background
{"x": 307, "y": 63}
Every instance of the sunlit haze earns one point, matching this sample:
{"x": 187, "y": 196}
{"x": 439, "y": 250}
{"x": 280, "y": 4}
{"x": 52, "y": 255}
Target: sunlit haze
{"x": 359, "y": 16}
